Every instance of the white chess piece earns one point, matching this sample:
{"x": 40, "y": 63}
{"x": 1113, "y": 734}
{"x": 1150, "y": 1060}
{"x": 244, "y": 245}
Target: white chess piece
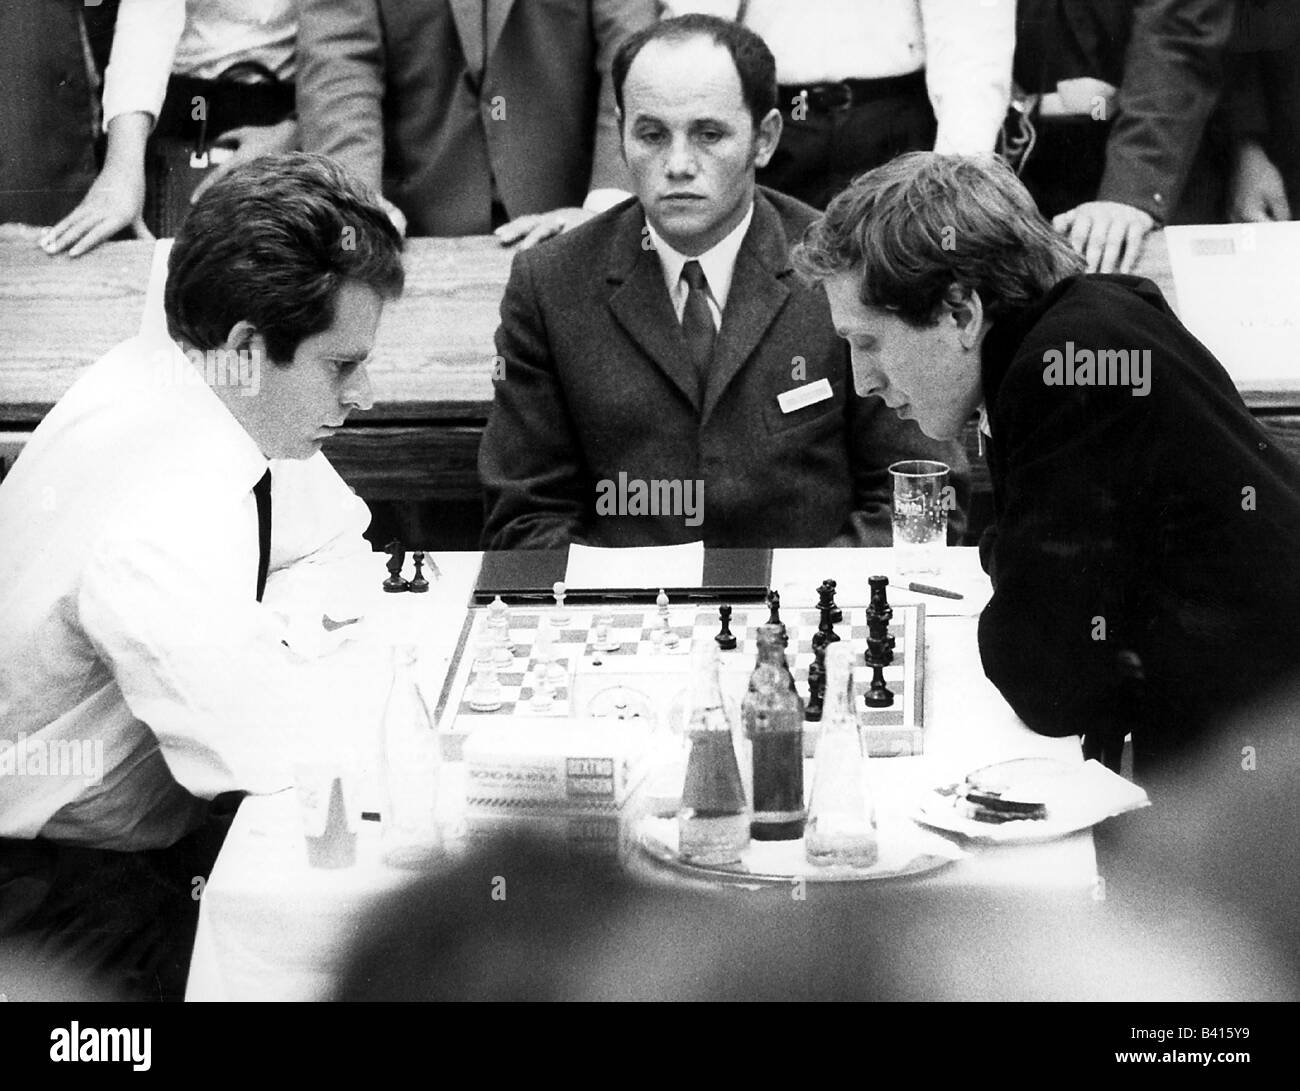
{"x": 670, "y": 637}
{"x": 559, "y": 615}
{"x": 485, "y": 692}
{"x": 661, "y": 601}
{"x": 603, "y": 641}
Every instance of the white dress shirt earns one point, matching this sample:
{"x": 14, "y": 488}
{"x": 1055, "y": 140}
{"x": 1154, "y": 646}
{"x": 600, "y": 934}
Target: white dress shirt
{"x": 965, "y": 47}
{"x": 718, "y": 263}
{"x": 128, "y": 573}
{"x": 202, "y": 38}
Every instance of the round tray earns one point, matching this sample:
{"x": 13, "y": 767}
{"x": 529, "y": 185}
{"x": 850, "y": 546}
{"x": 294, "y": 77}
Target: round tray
{"x": 784, "y": 861}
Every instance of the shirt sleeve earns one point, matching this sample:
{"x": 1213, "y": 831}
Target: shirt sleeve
{"x": 969, "y": 45}
{"x": 321, "y": 566}
{"x": 144, "y": 45}
{"x": 197, "y": 658}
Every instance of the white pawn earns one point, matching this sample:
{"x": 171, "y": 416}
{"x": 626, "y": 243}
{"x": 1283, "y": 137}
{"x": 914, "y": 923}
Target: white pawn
{"x": 543, "y": 691}
{"x": 485, "y": 693}
{"x": 604, "y": 641}
{"x": 559, "y": 615}
{"x": 661, "y": 600}
{"x": 670, "y": 638}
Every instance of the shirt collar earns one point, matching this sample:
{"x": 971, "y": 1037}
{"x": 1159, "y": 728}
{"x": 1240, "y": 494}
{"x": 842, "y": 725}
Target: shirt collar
{"x": 718, "y": 262}
{"x": 183, "y": 387}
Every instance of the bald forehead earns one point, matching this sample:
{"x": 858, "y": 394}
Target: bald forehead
{"x": 682, "y": 74}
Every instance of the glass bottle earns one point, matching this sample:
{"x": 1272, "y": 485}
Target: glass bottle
{"x": 411, "y": 766}
{"x": 772, "y": 713}
{"x": 713, "y": 821}
{"x": 841, "y": 813}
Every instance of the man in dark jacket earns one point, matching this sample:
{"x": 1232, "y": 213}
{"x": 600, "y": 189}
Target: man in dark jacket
{"x": 1125, "y": 90}
{"x": 1144, "y": 560}
{"x": 664, "y": 377}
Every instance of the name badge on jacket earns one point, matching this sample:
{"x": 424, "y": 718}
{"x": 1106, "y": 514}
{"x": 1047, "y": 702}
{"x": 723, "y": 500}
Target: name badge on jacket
{"x": 803, "y": 396}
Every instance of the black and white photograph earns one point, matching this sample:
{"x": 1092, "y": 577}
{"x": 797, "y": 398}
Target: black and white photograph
{"x": 648, "y": 501}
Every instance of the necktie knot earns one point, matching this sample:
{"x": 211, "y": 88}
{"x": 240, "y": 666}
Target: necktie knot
{"x": 693, "y": 274}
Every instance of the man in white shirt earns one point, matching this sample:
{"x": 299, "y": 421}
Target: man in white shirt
{"x": 165, "y": 577}
{"x": 183, "y": 78}
{"x": 860, "y": 83}
{"x": 666, "y": 347}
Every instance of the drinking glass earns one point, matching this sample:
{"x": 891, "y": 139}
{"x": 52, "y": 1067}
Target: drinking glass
{"x": 922, "y": 499}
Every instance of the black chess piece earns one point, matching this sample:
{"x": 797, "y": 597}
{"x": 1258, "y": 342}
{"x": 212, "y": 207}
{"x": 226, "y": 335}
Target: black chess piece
{"x": 826, "y": 627}
{"x": 396, "y": 559}
{"x": 880, "y": 645}
{"x": 418, "y": 583}
{"x": 816, "y": 681}
{"x": 725, "y": 638}
{"x": 826, "y": 599}
{"x": 774, "y": 615}
{"x": 774, "y": 607}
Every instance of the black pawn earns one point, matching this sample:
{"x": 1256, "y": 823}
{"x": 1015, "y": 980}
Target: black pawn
{"x": 418, "y": 582}
{"x": 726, "y": 640}
{"x": 396, "y": 558}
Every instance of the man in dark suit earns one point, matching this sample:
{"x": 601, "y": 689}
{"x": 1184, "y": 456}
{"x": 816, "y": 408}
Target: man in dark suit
{"x": 468, "y": 114}
{"x": 664, "y": 377}
{"x": 1144, "y": 560}
{"x": 1125, "y": 89}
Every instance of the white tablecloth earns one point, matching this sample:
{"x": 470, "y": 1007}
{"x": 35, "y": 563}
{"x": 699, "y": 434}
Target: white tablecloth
{"x": 273, "y": 928}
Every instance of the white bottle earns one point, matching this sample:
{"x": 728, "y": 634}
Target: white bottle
{"x": 411, "y": 767}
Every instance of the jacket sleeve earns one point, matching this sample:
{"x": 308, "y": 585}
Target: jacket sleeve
{"x": 530, "y": 462}
{"x": 613, "y": 21}
{"x": 1172, "y": 76}
{"x": 340, "y": 84}
{"x": 877, "y": 438}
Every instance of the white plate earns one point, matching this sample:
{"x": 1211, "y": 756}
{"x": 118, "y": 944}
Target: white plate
{"x": 1081, "y": 796}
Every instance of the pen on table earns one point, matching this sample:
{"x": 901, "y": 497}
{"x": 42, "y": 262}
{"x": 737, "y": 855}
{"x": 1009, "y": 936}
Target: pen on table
{"x": 926, "y": 589}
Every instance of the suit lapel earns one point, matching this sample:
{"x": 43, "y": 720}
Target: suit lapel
{"x": 641, "y": 305}
{"x": 468, "y": 16}
{"x": 498, "y": 12}
{"x": 757, "y": 295}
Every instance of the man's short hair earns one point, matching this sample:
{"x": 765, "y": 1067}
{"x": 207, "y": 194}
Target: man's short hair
{"x": 271, "y": 243}
{"x": 923, "y": 222}
{"x": 754, "y": 62}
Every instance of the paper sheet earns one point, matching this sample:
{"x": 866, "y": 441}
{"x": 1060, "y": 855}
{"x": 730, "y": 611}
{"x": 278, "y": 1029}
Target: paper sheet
{"x": 640, "y": 566}
{"x": 1237, "y": 288}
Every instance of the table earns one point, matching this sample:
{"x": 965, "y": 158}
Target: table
{"x": 272, "y": 928}
{"x": 432, "y": 370}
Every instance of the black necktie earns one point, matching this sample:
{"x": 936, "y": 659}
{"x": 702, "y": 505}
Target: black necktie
{"x": 697, "y": 320}
{"x": 262, "y": 494}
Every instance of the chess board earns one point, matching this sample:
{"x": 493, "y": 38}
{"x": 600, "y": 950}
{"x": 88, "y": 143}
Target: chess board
{"x": 643, "y": 665}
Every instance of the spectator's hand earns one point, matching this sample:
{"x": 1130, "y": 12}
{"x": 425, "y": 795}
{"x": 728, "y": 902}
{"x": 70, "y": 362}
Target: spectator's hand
{"x": 533, "y": 229}
{"x": 1256, "y": 192}
{"x": 248, "y": 142}
{"x": 115, "y": 200}
{"x": 1108, "y": 234}
{"x": 395, "y": 214}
